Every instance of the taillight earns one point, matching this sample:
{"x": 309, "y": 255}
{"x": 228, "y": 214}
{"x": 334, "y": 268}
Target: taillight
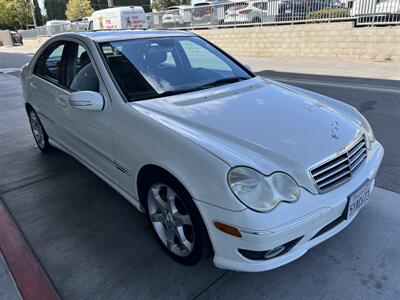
{"x": 245, "y": 11}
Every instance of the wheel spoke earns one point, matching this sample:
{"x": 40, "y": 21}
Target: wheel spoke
{"x": 157, "y": 217}
{"x": 171, "y": 197}
{"x": 186, "y": 245}
{"x": 170, "y": 234}
{"x": 161, "y": 204}
{"x": 181, "y": 220}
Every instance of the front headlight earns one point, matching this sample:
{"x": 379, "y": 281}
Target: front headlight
{"x": 259, "y": 192}
{"x": 369, "y": 134}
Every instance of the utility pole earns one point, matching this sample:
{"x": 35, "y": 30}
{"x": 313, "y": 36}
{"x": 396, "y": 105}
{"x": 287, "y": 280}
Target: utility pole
{"x": 110, "y": 3}
{"x": 33, "y": 13}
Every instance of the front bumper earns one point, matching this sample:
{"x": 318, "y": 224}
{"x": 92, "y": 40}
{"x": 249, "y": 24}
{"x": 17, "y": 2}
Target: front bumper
{"x": 309, "y": 221}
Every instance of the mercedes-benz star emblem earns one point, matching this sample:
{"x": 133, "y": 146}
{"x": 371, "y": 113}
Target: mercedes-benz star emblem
{"x": 335, "y": 130}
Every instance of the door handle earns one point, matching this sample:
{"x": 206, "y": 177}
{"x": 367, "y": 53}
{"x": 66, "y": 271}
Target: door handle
{"x": 61, "y": 101}
{"x": 33, "y": 86}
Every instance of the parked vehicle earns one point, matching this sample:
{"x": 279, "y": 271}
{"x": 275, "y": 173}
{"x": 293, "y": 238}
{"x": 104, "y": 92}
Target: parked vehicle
{"x": 295, "y": 10}
{"x": 384, "y": 10}
{"x": 249, "y": 12}
{"x": 177, "y": 16}
{"x": 209, "y": 13}
{"x": 202, "y": 14}
{"x": 57, "y": 22}
{"x": 211, "y": 153}
{"x": 118, "y": 18}
{"x": 80, "y": 25}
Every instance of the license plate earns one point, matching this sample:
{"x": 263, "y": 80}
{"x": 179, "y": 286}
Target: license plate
{"x": 358, "y": 199}
{"x": 288, "y": 11}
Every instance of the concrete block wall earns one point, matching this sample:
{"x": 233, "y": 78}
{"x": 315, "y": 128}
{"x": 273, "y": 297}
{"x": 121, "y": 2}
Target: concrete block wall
{"x": 35, "y": 43}
{"x": 5, "y": 38}
{"x": 330, "y": 40}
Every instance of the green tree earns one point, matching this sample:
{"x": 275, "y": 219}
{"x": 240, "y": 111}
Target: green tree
{"x": 15, "y": 14}
{"x": 144, "y": 3}
{"x": 99, "y": 4}
{"x": 102, "y": 4}
{"x": 55, "y": 9}
{"x": 164, "y": 4}
{"x": 77, "y": 9}
{"x": 38, "y": 13}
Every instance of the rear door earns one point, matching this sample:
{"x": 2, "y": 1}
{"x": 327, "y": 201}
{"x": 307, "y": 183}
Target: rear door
{"x": 45, "y": 86}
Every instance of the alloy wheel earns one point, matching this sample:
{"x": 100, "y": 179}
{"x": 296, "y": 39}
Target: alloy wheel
{"x": 171, "y": 219}
{"x": 37, "y": 129}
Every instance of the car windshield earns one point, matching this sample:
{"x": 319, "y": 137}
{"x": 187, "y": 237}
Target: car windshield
{"x": 157, "y": 67}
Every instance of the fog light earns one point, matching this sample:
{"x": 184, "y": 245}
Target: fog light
{"x": 274, "y": 252}
{"x": 268, "y": 254}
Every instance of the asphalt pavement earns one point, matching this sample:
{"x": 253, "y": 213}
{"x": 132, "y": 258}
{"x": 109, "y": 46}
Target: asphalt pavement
{"x": 93, "y": 244}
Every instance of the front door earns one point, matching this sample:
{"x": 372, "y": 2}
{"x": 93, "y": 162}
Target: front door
{"x": 88, "y": 132}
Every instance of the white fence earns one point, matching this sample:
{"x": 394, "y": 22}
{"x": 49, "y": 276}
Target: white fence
{"x": 51, "y": 30}
{"x": 257, "y": 13}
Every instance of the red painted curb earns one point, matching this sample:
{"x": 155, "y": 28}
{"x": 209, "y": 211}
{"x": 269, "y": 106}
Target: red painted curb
{"x": 30, "y": 278}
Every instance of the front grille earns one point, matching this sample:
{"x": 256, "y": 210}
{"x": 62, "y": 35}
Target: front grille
{"x": 340, "y": 169}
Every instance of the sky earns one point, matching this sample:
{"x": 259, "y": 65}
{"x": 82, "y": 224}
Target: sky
{"x": 41, "y": 4}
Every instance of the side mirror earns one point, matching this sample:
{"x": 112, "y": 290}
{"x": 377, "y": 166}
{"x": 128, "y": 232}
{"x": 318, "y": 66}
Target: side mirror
{"x": 87, "y": 100}
{"x": 248, "y": 67}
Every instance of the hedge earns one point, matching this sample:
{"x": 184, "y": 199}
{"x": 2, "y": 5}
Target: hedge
{"x": 329, "y": 13}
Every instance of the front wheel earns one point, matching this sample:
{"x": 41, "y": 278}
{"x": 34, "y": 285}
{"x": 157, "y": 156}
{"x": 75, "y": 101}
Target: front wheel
{"x": 176, "y": 222}
{"x": 39, "y": 134}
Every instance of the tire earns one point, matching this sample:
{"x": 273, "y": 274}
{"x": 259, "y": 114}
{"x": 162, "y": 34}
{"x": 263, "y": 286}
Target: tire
{"x": 168, "y": 204}
{"x": 39, "y": 134}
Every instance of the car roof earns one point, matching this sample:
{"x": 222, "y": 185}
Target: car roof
{"x": 118, "y": 35}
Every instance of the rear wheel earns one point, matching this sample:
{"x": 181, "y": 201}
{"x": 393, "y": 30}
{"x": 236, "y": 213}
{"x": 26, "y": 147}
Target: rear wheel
{"x": 175, "y": 220}
{"x": 39, "y": 134}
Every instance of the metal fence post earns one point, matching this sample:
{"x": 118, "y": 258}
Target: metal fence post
{"x": 292, "y": 11}
{"x": 373, "y": 15}
{"x": 234, "y": 9}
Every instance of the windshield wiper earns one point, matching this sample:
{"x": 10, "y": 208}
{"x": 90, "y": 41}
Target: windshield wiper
{"x": 176, "y": 92}
{"x": 223, "y": 81}
{"x": 194, "y": 89}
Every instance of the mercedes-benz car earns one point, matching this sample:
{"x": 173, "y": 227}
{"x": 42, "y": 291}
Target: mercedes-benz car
{"x": 220, "y": 160}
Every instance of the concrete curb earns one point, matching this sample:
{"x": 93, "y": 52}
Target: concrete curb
{"x": 30, "y": 278}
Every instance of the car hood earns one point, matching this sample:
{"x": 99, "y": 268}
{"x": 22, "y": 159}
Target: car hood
{"x": 261, "y": 124}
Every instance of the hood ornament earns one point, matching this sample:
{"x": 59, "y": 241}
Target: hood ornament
{"x": 335, "y": 130}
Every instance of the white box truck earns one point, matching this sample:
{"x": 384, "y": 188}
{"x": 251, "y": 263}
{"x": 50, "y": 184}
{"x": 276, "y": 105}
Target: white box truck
{"x": 118, "y": 18}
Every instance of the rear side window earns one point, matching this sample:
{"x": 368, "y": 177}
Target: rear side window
{"x": 49, "y": 63}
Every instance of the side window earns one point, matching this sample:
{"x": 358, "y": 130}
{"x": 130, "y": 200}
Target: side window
{"x": 257, "y": 5}
{"x": 262, "y": 5}
{"x": 49, "y": 63}
{"x": 200, "y": 57}
{"x": 80, "y": 75}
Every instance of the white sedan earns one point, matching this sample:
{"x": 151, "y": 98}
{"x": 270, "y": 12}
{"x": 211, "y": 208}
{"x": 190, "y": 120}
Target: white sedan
{"x": 219, "y": 159}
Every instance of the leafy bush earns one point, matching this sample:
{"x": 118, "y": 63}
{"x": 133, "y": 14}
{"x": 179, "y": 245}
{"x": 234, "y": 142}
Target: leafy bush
{"x": 329, "y": 13}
